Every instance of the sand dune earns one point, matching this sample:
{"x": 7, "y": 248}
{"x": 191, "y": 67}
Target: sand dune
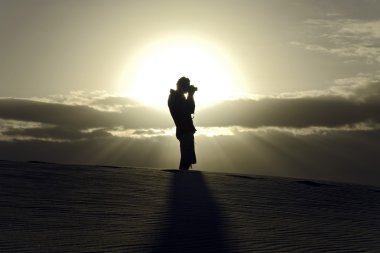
{"x": 76, "y": 208}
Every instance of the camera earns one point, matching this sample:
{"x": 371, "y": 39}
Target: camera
{"x": 192, "y": 88}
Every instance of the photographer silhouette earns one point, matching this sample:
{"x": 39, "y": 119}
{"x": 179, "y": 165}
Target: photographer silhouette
{"x": 181, "y": 109}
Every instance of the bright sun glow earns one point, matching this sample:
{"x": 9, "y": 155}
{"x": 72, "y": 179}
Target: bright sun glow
{"x": 154, "y": 70}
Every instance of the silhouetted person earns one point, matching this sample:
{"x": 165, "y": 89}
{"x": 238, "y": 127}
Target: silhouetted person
{"x": 181, "y": 109}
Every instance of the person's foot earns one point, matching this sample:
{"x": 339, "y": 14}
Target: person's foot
{"x": 185, "y": 167}
{"x": 182, "y": 166}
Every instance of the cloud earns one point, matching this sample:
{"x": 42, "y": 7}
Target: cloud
{"x": 363, "y": 87}
{"x": 80, "y": 116}
{"x": 143, "y": 133}
{"x": 334, "y": 108}
{"x": 350, "y": 104}
{"x": 327, "y": 134}
{"x": 98, "y": 99}
{"x": 114, "y": 103}
{"x": 348, "y": 38}
{"x": 55, "y": 134}
{"x": 70, "y": 120}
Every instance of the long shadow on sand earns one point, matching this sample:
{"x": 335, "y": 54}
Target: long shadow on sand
{"x": 194, "y": 223}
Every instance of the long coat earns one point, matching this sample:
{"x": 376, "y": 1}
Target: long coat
{"x": 181, "y": 110}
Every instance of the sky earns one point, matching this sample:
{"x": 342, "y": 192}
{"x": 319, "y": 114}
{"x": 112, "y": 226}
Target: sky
{"x": 286, "y": 87}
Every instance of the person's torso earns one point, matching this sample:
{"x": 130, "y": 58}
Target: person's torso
{"x": 181, "y": 114}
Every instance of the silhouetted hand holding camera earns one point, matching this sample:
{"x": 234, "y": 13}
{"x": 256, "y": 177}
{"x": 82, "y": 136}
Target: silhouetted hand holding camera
{"x": 192, "y": 89}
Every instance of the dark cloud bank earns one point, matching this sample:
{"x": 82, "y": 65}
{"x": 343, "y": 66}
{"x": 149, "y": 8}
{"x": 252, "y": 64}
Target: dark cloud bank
{"x": 80, "y": 116}
{"x": 296, "y": 113}
{"x": 324, "y": 111}
{"x": 82, "y": 134}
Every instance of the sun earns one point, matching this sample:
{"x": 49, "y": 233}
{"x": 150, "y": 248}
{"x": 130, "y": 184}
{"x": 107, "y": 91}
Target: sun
{"x": 155, "y": 69}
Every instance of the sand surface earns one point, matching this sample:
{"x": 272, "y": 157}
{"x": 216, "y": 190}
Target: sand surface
{"x": 72, "y": 208}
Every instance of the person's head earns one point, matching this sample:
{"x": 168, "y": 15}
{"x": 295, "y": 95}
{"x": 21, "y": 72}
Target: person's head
{"x": 183, "y": 84}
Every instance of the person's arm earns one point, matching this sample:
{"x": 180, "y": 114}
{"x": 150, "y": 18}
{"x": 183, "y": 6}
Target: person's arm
{"x": 190, "y": 103}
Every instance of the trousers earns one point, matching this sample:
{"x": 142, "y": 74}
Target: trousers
{"x": 188, "y": 157}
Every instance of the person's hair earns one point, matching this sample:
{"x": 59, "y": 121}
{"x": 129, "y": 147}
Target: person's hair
{"x": 183, "y": 82}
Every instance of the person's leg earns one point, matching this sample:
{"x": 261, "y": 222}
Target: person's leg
{"x": 183, "y": 147}
{"x": 187, "y": 151}
{"x": 191, "y": 150}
